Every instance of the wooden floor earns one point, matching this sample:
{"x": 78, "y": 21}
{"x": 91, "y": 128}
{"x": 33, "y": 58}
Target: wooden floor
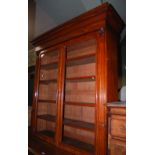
{"x": 38, "y": 147}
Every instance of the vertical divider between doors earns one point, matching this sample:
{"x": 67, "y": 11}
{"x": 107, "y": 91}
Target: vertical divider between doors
{"x": 35, "y": 95}
{"x": 60, "y": 97}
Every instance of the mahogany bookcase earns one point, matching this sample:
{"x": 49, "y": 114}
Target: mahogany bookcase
{"x": 76, "y": 76}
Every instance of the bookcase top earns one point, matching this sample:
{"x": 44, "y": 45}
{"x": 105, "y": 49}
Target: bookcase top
{"x": 98, "y": 18}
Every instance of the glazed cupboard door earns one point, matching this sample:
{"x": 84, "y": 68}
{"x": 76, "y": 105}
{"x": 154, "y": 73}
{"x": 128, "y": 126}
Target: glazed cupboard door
{"x": 79, "y": 105}
{"x": 47, "y": 95}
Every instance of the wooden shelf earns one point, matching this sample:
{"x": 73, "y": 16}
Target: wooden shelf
{"x": 47, "y": 117}
{"x": 47, "y": 81}
{"x": 46, "y": 133}
{"x": 81, "y": 57}
{"x": 79, "y": 124}
{"x": 78, "y": 144}
{"x": 81, "y": 104}
{"x": 47, "y": 101}
{"x": 81, "y": 79}
{"x": 50, "y": 65}
{"x": 80, "y": 60}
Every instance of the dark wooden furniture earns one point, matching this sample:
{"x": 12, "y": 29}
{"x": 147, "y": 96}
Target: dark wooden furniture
{"x": 76, "y": 75}
{"x": 31, "y": 72}
{"x": 117, "y": 129}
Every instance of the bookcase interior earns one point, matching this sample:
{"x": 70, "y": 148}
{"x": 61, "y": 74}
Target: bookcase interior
{"x": 47, "y": 104}
{"x": 79, "y": 100}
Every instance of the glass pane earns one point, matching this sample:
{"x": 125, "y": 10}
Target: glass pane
{"x": 47, "y": 104}
{"x": 79, "y": 102}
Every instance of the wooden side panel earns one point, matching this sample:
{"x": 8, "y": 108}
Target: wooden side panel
{"x": 112, "y": 41}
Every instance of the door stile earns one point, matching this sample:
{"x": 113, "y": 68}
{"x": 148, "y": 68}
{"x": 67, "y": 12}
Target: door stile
{"x": 35, "y": 95}
{"x": 101, "y": 96}
{"x": 60, "y": 97}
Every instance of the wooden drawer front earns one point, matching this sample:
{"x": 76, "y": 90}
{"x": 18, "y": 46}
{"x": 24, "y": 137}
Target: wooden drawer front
{"x": 117, "y": 148}
{"x": 118, "y": 127}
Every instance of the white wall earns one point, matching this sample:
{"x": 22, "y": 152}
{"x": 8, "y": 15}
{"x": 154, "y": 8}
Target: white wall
{"x": 43, "y": 22}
